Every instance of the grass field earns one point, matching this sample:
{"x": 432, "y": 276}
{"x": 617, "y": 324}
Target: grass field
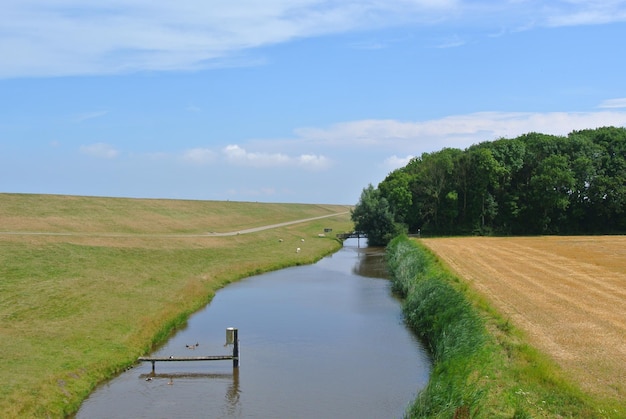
{"x": 568, "y": 295}
{"x": 89, "y": 284}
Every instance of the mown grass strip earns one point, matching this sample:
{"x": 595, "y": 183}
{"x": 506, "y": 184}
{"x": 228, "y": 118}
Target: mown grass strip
{"x": 482, "y": 367}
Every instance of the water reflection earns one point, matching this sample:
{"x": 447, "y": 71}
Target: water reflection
{"x": 371, "y": 263}
{"x": 232, "y": 392}
{"x": 326, "y": 340}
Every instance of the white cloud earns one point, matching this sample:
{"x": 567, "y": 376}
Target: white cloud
{"x": 199, "y": 155}
{"x": 524, "y": 15}
{"x": 395, "y": 162}
{"x": 454, "y": 131}
{"x": 240, "y": 156}
{"x": 613, "y": 103}
{"x": 72, "y": 37}
{"x": 313, "y": 161}
{"x": 587, "y": 12}
{"x": 101, "y": 150}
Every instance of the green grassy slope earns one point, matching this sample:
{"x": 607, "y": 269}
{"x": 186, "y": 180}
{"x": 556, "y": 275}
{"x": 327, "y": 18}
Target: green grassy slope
{"x": 89, "y": 284}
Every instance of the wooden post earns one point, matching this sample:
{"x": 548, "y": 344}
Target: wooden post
{"x": 236, "y": 349}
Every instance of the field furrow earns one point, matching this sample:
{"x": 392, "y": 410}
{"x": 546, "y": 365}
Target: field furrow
{"x": 567, "y": 293}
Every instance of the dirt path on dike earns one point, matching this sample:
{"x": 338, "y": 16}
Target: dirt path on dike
{"x": 255, "y": 229}
{"x": 209, "y": 234}
{"x": 567, "y": 293}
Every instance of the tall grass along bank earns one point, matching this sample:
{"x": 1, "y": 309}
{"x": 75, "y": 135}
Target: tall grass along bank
{"x": 482, "y": 367}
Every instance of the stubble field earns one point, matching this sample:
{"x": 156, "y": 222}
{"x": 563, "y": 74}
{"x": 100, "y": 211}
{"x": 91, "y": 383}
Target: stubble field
{"x": 568, "y": 294}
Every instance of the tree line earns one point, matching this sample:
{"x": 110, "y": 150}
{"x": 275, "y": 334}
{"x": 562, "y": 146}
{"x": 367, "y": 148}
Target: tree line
{"x": 532, "y": 184}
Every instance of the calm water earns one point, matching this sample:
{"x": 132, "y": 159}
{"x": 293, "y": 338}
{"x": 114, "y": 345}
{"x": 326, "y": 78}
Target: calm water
{"x": 319, "y": 341}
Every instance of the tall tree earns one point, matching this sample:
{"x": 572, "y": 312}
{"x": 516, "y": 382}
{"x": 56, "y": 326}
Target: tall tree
{"x": 608, "y": 190}
{"x": 510, "y": 155}
{"x": 372, "y": 216}
{"x": 395, "y": 188}
{"x": 433, "y": 187}
{"x": 482, "y": 177}
{"x": 551, "y": 187}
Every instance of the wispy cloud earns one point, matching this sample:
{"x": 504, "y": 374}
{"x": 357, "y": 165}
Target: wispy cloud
{"x": 451, "y": 42}
{"x": 199, "y": 155}
{"x": 456, "y": 130}
{"x": 74, "y": 37}
{"x": 101, "y": 150}
{"x": 240, "y": 156}
{"x": 89, "y": 115}
{"x": 587, "y": 12}
{"x": 370, "y": 45}
{"x": 613, "y": 103}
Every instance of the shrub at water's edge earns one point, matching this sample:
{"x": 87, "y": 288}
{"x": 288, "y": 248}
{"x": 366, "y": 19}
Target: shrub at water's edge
{"x": 482, "y": 366}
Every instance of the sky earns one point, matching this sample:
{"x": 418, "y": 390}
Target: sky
{"x": 298, "y": 101}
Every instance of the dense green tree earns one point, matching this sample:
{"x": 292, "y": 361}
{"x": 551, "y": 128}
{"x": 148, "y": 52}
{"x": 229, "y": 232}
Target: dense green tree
{"x": 510, "y": 154}
{"x": 550, "y": 189}
{"x": 583, "y": 154}
{"x": 608, "y": 189}
{"x": 395, "y": 189}
{"x": 434, "y": 195}
{"x": 482, "y": 176}
{"x": 372, "y": 216}
{"x": 532, "y": 184}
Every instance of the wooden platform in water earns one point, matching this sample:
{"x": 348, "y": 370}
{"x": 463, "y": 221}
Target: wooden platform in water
{"x": 185, "y": 358}
{"x": 155, "y": 359}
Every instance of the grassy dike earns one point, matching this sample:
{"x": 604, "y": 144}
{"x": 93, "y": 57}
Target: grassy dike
{"x": 481, "y": 366}
{"x": 89, "y": 284}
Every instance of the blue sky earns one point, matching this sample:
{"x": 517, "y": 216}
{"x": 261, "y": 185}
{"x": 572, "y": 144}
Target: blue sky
{"x": 287, "y": 100}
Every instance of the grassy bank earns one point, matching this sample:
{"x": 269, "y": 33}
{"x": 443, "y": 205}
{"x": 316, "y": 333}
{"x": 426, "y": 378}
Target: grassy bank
{"x": 482, "y": 365}
{"x": 89, "y": 284}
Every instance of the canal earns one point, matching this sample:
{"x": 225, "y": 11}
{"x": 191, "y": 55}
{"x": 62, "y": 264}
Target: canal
{"x": 324, "y": 340}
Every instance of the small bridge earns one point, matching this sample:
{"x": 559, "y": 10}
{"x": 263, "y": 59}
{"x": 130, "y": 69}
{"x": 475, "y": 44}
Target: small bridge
{"x": 353, "y": 235}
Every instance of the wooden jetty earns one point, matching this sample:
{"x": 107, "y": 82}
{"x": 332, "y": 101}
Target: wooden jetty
{"x": 353, "y": 235}
{"x": 155, "y": 359}
{"x": 231, "y": 339}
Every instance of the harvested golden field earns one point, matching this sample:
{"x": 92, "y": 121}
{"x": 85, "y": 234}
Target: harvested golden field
{"x": 567, "y": 293}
